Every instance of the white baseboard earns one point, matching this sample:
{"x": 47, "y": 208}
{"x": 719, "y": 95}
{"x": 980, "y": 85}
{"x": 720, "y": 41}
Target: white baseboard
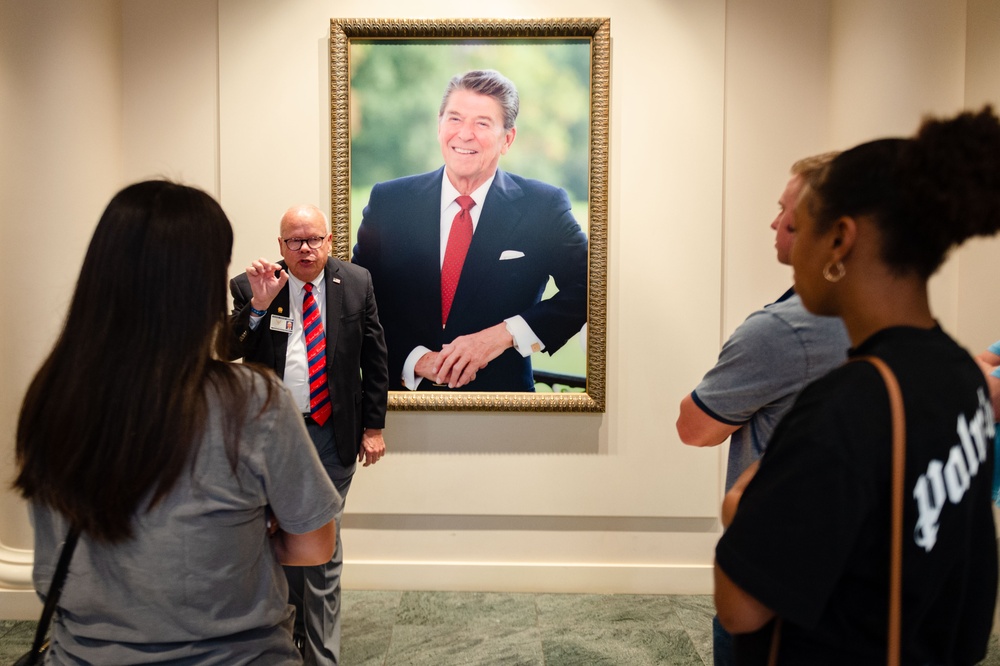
{"x": 569, "y": 578}
{"x": 554, "y": 578}
{"x": 18, "y": 600}
{"x": 15, "y": 568}
{"x": 19, "y": 605}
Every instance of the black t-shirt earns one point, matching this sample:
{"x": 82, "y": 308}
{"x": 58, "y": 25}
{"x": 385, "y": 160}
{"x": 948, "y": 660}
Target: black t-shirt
{"x": 810, "y": 539}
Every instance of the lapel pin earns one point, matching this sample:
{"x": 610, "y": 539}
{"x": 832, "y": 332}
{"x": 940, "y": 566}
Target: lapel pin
{"x": 336, "y": 280}
{"x": 280, "y": 310}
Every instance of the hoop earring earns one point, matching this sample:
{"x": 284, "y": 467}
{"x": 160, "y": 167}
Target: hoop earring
{"x": 830, "y": 275}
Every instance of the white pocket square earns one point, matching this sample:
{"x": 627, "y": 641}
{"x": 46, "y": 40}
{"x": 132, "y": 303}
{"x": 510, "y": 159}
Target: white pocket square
{"x": 510, "y": 254}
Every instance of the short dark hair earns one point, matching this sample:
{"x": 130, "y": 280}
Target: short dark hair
{"x": 926, "y": 194}
{"x": 487, "y": 82}
{"x": 119, "y": 406}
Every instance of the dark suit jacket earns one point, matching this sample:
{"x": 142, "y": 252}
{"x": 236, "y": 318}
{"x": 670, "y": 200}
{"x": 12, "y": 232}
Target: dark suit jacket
{"x": 526, "y": 220}
{"x": 355, "y": 348}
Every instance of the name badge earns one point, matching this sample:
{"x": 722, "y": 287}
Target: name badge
{"x": 283, "y": 324}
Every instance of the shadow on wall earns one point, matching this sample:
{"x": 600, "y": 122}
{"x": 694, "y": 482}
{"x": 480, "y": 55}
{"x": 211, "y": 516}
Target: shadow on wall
{"x": 477, "y": 433}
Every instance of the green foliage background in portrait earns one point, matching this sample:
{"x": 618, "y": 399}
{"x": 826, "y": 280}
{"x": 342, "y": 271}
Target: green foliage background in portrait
{"x": 396, "y": 89}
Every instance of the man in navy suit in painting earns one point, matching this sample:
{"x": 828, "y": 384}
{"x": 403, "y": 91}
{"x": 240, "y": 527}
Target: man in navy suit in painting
{"x": 460, "y": 256}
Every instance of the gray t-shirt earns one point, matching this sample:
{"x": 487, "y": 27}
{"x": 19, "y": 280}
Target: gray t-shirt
{"x": 772, "y": 356}
{"x": 199, "y": 582}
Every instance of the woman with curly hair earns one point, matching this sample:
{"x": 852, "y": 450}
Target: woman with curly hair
{"x": 808, "y": 536}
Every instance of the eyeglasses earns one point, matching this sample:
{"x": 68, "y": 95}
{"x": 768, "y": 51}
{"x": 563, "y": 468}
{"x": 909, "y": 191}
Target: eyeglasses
{"x": 295, "y": 244}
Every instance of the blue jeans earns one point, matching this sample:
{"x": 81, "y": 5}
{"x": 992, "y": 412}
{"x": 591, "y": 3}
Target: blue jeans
{"x": 722, "y": 644}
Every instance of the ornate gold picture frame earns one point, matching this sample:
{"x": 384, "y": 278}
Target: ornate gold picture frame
{"x": 384, "y": 127}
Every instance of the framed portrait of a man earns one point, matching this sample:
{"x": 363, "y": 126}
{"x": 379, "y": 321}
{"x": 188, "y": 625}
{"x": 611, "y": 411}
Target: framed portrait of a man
{"x": 470, "y": 177}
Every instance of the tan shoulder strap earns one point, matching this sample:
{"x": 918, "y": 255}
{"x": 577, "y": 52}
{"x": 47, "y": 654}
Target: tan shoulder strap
{"x": 896, "y": 547}
{"x": 898, "y": 473}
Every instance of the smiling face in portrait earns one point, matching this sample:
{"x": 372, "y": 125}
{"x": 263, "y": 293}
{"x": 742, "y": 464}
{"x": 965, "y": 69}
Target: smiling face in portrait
{"x": 472, "y": 137}
{"x": 784, "y": 224}
{"x": 305, "y": 222}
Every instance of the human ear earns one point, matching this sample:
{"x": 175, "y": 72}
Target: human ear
{"x": 508, "y": 140}
{"x": 843, "y": 236}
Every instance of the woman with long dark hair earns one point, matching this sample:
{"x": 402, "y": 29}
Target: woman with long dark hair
{"x": 808, "y": 536}
{"x": 168, "y": 460}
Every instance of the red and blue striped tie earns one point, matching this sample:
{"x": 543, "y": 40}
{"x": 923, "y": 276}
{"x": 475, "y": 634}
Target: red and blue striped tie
{"x": 319, "y": 389}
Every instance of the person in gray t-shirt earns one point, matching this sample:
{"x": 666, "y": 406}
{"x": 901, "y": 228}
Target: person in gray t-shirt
{"x": 772, "y": 356}
{"x": 188, "y": 480}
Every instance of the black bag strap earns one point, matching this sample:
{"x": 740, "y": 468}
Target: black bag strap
{"x": 55, "y": 590}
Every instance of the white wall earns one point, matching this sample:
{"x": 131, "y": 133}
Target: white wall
{"x": 912, "y": 63}
{"x": 60, "y": 159}
{"x": 518, "y": 501}
{"x": 711, "y": 101}
{"x": 977, "y": 321}
{"x": 171, "y": 82}
{"x": 777, "y": 111}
